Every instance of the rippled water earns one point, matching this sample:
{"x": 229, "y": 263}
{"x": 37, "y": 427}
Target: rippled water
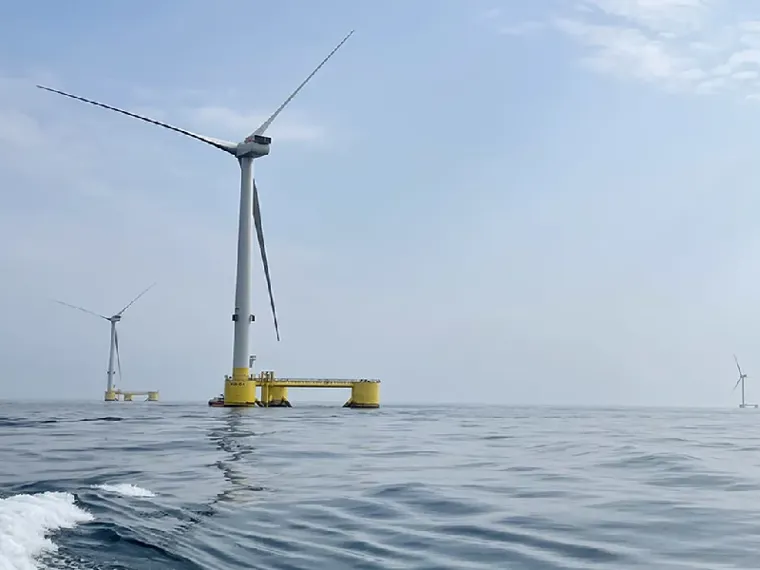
{"x": 154, "y": 486}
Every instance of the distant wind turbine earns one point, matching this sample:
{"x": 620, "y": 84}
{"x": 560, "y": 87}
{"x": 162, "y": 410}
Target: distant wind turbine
{"x": 237, "y": 390}
{"x": 742, "y": 378}
{"x": 114, "y": 346}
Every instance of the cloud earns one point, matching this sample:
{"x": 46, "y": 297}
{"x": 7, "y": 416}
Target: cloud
{"x": 211, "y": 113}
{"x": 19, "y": 130}
{"x": 221, "y": 121}
{"x": 678, "y": 45}
{"x": 491, "y": 14}
{"x": 629, "y": 52}
{"x": 669, "y": 17}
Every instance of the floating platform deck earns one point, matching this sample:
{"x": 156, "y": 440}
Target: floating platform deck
{"x": 365, "y": 393}
{"x": 128, "y": 395}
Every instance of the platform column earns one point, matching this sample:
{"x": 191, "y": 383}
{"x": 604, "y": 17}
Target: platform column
{"x": 277, "y": 397}
{"x": 364, "y": 394}
{"x": 240, "y": 390}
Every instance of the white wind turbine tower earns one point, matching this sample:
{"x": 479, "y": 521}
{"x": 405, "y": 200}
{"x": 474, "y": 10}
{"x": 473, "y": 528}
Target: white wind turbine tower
{"x": 238, "y": 390}
{"x": 114, "y": 345}
{"x": 742, "y": 378}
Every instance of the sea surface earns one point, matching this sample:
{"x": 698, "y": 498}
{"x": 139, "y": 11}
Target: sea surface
{"x": 165, "y": 486}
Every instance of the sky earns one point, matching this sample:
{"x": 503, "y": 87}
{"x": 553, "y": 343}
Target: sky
{"x": 552, "y": 202}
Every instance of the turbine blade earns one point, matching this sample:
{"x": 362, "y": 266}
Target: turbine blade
{"x": 135, "y": 299}
{"x": 737, "y": 383}
{"x": 737, "y": 364}
{"x": 265, "y": 263}
{"x": 265, "y": 125}
{"x": 80, "y": 309}
{"x": 218, "y": 143}
{"x": 118, "y": 356}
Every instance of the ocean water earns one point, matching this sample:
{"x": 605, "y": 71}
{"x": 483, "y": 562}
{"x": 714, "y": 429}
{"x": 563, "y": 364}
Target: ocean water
{"x": 162, "y": 486}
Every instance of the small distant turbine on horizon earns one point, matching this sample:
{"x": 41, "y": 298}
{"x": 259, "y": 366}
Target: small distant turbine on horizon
{"x": 114, "y": 345}
{"x": 255, "y": 145}
{"x": 742, "y": 378}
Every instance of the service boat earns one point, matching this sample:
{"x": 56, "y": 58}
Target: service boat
{"x": 217, "y": 402}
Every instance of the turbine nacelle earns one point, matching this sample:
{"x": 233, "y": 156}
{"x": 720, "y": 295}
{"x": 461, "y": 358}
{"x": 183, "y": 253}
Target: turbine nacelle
{"x": 254, "y": 146}
{"x": 115, "y": 318}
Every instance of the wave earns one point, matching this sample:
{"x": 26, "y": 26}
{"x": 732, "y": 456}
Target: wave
{"x": 126, "y": 490}
{"x": 27, "y": 523}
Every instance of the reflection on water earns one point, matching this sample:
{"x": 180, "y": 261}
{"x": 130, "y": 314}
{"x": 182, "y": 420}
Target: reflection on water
{"x": 238, "y": 443}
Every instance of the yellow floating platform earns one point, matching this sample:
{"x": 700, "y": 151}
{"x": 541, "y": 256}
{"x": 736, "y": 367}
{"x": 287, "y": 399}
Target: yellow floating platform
{"x": 240, "y": 391}
{"x": 128, "y": 395}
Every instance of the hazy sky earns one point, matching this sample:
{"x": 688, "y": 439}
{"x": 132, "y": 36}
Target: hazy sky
{"x": 513, "y": 202}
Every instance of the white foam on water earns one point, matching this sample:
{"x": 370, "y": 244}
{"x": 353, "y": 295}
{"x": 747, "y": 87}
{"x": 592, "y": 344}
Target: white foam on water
{"x": 26, "y": 521}
{"x": 126, "y": 490}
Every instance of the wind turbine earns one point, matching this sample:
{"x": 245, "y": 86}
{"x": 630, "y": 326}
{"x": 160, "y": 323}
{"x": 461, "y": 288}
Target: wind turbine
{"x": 238, "y": 390}
{"x": 114, "y": 346}
{"x": 742, "y": 378}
